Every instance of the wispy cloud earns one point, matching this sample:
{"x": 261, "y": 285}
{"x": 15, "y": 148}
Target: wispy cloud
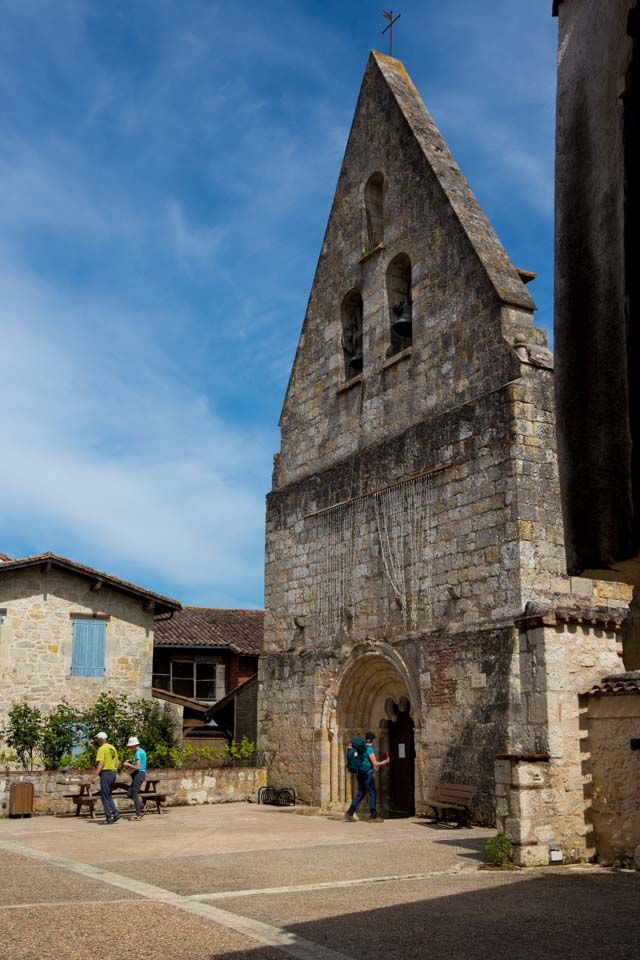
{"x": 164, "y": 187}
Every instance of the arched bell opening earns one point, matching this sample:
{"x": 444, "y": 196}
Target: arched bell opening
{"x": 351, "y": 317}
{"x": 370, "y": 696}
{"x": 400, "y": 298}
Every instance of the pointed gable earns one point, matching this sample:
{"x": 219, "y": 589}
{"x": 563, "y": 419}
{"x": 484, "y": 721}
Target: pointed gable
{"x": 405, "y": 233}
{"x": 501, "y": 272}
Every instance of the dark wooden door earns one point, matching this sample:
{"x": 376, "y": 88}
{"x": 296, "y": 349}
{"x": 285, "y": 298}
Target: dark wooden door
{"x": 401, "y": 765}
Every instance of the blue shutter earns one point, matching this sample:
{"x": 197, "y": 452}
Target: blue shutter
{"x": 87, "y": 659}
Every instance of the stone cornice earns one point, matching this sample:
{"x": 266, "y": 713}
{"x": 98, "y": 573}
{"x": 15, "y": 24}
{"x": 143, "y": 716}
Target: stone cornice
{"x": 570, "y": 610}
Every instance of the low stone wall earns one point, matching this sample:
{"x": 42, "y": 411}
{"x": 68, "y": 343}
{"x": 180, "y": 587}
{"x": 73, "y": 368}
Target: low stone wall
{"x": 182, "y": 787}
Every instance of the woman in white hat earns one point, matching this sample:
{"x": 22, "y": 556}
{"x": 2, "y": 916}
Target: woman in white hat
{"x": 138, "y": 767}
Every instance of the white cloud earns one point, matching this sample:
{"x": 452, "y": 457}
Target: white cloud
{"x": 107, "y": 450}
{"x": 192, "y": 243}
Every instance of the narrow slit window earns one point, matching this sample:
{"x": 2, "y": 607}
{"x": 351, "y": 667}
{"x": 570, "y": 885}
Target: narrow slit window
{"x": 352, "y": 309}
{"x": 374, "y": 211}
{"x": 400, "y": 300}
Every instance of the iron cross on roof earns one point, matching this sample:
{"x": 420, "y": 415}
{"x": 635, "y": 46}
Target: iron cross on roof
{"x": 388, "y": 15}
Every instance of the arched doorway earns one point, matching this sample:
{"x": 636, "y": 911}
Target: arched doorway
{"x": 375, "y": 693}
{"x": 402, "y": 755}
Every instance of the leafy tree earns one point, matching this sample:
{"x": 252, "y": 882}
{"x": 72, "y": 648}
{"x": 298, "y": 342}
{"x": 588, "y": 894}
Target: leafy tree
{"x": 23, "y": 732}
{"x": 60, "y": 733}
{"x": 113, "y": 715}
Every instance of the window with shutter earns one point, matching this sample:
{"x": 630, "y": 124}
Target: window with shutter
{"x": 87, "y": 658}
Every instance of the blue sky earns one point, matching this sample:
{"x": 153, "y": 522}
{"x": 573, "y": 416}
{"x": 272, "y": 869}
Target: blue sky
{"x": 166, "y": 171}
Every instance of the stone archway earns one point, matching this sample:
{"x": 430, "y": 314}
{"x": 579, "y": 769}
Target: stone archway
{"x": 371, "y": 682}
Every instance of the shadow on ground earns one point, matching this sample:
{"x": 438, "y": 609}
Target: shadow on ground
{"x": 551, "y": 916}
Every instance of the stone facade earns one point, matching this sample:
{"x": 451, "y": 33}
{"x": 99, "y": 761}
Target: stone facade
{"x": 38, "y": 607}
{"x": 597, "y": 285}
{"x": 415, "y": 509}
{"x": 612, "y": 750}
{"x": 182, "y": 787}
{"x": 544, "y": 790}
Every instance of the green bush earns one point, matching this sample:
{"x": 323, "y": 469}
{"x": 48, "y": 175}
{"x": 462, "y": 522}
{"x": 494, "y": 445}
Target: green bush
{"x": 60, "y": 733}
{"x": 498, "y": 850}
{"x": 240, "y": 751}
{"x": 78, "y": 761}
{"x": 67, "y": 736}
{"x": 24, "y": 732}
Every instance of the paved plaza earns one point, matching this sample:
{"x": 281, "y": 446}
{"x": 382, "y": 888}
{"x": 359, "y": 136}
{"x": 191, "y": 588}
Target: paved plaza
{"x": 242, "y": 882}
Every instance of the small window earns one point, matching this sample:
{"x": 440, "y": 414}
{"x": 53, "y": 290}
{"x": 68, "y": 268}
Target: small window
{"x": 400, "y": 303}
{"x": 352, "y": 308}
{"x": 374, "y": 211}
{"x": 88, "y": 648}
{"x": 198, "y": 679}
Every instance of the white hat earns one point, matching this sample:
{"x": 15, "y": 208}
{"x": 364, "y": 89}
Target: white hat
{"x": 133, "y": 742}
{"x": 101, "y": 736}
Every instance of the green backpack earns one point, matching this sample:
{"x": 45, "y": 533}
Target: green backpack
{"x": 357, "y": 757}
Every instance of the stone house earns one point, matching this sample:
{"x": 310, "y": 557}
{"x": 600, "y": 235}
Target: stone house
{"x": 202, "y": 655}
{"x": 415, "y": 577}
{"x": 70, "y": 632}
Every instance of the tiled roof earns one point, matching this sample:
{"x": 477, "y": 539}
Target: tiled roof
{"x": 620, "y": 683}
{"x": 241, "y": 631}
{"x": 4, "y": 557}
{"x": 162, "y": 603}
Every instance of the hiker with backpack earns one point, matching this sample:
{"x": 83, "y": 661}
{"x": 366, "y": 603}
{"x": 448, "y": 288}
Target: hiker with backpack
{"x": 362, "y": 760}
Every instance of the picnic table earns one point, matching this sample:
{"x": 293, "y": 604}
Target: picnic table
{"x": 85, "y": 798}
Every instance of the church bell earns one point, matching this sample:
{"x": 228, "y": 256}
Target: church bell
{"x": 403, "y": 323}
{"x": 356, "y": 361}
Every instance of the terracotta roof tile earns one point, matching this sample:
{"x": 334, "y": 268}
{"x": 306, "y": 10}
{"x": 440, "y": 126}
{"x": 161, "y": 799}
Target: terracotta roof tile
{"x": 4, "y": 557}
{"x": 621, "y": 683}
{"x": 241, "y": 631}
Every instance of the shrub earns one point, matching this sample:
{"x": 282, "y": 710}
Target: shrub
{"x": 60, "y": 733}
{"x": 78, "y": 761}
{"x": 498, "y": 850}
{"x": 24, "y": 732}
{"x": 240, "y": 751}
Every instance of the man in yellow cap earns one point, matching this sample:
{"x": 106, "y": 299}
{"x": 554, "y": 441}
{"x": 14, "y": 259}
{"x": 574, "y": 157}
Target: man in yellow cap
{"x": 106, "y": 767}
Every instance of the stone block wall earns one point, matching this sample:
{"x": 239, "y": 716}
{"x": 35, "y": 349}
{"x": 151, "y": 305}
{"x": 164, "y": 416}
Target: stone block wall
{"x": 183, "y": 787}
{"x": 524, "y": 807}
{"x": 613, "y": 724}
{"x": 562, "y": 652}
{"x": 36, "y": 640}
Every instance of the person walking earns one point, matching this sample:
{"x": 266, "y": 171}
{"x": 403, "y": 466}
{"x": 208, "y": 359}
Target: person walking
{"x": 106, "y": 767}
{"x": 362, "y": 760}
{"x": 138, "y": 767}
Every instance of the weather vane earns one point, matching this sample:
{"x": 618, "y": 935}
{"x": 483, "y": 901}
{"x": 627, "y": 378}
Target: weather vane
{"x": 388, "y": 15}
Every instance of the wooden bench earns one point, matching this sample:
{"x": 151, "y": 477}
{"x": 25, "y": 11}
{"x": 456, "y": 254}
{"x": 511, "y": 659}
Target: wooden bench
{"x": 453, "y": 800}
{"x": 148, "y": 795}
{"x": 84, "y": 799}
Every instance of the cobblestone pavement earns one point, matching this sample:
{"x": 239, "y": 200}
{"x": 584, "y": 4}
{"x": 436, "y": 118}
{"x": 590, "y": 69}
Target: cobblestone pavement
{"x": 241, "y": 882}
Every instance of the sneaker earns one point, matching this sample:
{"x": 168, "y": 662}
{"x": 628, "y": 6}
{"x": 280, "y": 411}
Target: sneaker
{"x": 115, "y": 818}
{"x": 376, "y": 820}
{"x": 349, "y": 817}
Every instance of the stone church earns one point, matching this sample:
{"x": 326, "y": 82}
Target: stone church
{"x": 416, "y": 578}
